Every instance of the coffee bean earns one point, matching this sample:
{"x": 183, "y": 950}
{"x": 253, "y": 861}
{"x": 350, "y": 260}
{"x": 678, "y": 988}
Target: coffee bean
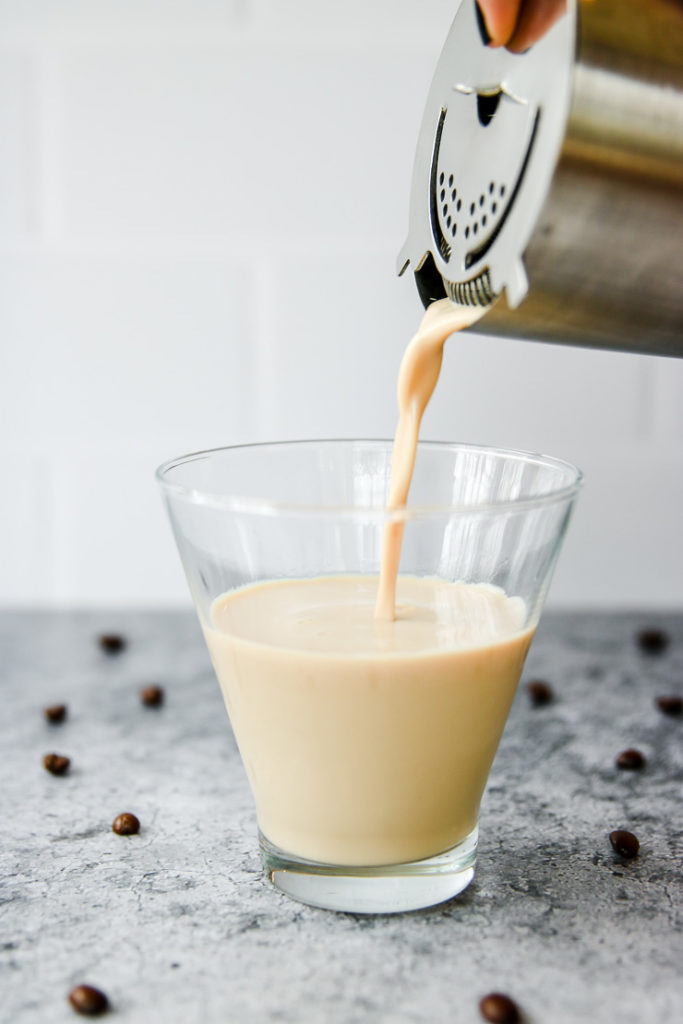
{"x": 630, "y": 760}
{"x": 652, "y": 641}
{"x": 56, "y": 764}
{"x": 499, "y": 1009}
{"x": 56, "y": 713}
{"x": 126, "y": 825}
{"x": 152, "y": 696}
{"x": 670, "y": 705}
{"x": 540, "y": 692}
{"x": 624, "y": 843}
{"x": 112, "y": 643}
{"x": 88, "y": 1000}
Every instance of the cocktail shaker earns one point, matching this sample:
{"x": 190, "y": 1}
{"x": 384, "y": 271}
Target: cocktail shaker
{"x": 556, "y": 177}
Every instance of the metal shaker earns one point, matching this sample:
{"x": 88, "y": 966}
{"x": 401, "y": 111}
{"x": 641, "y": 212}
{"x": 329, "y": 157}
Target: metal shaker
{"x": 556, "y": 177}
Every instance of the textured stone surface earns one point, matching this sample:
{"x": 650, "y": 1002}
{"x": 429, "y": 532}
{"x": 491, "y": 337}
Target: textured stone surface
{"x": 177, "y": 923}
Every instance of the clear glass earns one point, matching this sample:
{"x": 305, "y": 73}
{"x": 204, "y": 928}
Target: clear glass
{"x": 367, "y": 772}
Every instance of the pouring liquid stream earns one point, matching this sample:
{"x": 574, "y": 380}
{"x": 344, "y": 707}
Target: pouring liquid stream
{"x": 417, "y": 378}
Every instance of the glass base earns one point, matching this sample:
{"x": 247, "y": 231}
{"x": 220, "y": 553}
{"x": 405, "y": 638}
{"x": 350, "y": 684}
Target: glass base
{"x": 384, "y": 889}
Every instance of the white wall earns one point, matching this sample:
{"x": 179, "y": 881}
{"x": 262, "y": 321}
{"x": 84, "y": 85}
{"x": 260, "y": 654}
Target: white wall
{"x": 188, "y": 188}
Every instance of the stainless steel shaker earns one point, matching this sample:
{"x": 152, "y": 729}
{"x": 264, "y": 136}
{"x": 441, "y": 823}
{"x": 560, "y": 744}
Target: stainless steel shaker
{"x": 556, "y": 176}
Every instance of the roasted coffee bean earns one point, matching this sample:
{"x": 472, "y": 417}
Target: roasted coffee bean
{"x": 152, "y": 696}
{"x": 630, "y": 760}
{"x": 56, "y": 764}
{"x": 499, "y": 1009}
{"x": 670, "y": 705}
{"x": 540, "y": 693}
{"x": 624, "y": 843}
{"x": 56, "y": 713}
{"x": 112, "y": 643}
{"x": 88, "y": 1000}
{"x": 652, "y": 641}
{"x": 126, "y": 825}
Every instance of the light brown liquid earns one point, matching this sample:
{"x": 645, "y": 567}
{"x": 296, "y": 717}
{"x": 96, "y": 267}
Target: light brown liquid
{"x": 368, "y": 728}
{"x": 367, "y": 741}
{"x": 417, "y": 378}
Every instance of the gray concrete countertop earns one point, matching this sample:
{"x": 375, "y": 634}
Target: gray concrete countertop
{"x": 177, "y": 923}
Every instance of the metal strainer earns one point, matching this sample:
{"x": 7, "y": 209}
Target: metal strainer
{"x": 490, "y": 138}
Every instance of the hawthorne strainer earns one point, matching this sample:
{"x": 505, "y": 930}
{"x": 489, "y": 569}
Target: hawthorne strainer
{"x": 490, "y": 138}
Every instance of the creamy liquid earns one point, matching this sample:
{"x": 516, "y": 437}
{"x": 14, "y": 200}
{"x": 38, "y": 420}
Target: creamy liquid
{"x": 367, "y": 741}
{"x": 417, "y": 379}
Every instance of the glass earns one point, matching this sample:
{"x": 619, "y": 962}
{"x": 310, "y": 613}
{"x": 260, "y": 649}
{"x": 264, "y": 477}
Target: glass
{"x": 367, "y": 766}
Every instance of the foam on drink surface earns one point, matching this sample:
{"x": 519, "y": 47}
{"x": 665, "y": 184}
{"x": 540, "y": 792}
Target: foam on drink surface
{"x": 333, "y": 615}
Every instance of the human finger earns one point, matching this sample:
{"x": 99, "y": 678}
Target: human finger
{"x": 500, "y": 19}
{"x": 535, "y": 19}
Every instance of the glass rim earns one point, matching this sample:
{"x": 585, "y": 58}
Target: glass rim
{"x": 265, "y": 506}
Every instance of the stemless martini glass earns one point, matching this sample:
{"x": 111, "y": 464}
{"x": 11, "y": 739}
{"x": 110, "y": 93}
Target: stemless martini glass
{"x": 367, "y": 761}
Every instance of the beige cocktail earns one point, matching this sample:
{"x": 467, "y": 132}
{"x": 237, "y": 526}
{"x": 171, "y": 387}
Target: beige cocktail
{"x": 365, "y": 742}
{"x": 367, "y": 739}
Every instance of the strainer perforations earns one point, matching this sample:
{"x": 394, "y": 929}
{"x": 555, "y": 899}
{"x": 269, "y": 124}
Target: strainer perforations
{"x": 480, "y": 213}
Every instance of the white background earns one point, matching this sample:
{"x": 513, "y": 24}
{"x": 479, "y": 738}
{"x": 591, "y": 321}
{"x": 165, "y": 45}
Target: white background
{"x": 201, "y": 202}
